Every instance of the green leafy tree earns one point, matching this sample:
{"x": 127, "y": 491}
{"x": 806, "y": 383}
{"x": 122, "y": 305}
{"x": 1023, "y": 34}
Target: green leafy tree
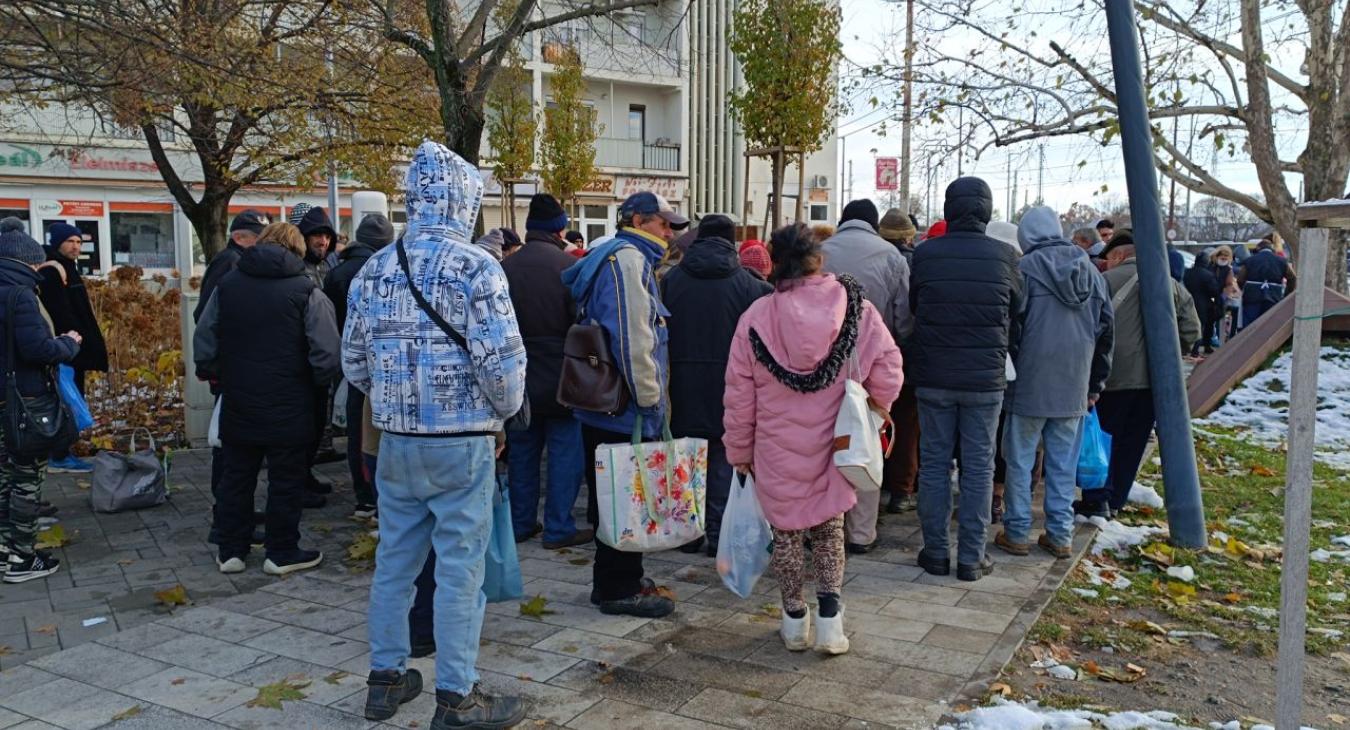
{"x": 567, "y": 147}
{"x": 511, "y": 128}
{"x": 788, "y": 51}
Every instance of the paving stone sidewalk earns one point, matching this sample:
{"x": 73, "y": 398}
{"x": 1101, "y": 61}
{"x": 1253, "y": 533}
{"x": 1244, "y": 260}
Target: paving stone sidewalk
{"x": 919, "y": 642}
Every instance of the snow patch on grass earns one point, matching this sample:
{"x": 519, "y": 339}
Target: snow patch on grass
{"x": 1008, "y": 715}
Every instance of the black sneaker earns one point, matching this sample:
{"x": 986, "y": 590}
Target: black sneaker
{"x": 903, "y": 503}
{"x": 310, "y": 500}
{"x": 642, "y": 605}
{"x": 25, "y": 568}
{"x": 4, "y": 559}
{"x": 1092, "y": 509}
{"x": 580, "y": 537}
{"x": 710, "y": 549}
{"x": 934, "y": 566}
{"x": 365, "y": 511}
{"x": 47, "y": 509}
{"x": 290, "y": 561}
{"x": 314, "y": 486}
{"x": 388, "y": 690}
{"x": 857, "y": 548}
{"x": 422, "y": 648}
{"x": 476, "y": 711}
{"x": 647, "y": 585}
{"x": 975, "y": 572}
{"x": 527, "y": 536}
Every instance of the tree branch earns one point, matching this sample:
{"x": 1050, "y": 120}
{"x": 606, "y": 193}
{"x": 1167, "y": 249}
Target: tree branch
{"x": 507, "y": 37}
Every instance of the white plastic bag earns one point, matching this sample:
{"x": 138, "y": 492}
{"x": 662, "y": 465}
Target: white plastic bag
{"x": 213, "y": 432}
{"x": 340, "y": 404}
{"x": 745, "y": 542}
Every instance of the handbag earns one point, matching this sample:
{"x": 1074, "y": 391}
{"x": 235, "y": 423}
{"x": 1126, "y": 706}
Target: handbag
{"x": 501, "y": 567}
{"x": 858, "y": 451}
{"x": 590, "y": 380}
{"x": 521, "y": 416}
{"x": 35, "y": 426}
{"x": 745, "y": 543}
{"x": 651, "y": 496}
{"x": 134, "y": 480}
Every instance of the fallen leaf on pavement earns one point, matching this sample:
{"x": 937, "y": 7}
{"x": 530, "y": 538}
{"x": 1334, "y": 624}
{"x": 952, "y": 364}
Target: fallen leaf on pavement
{"x": 665, "y": 592}
{"x": 5, "y": 650}
{"x": 272, "y": 695}
{"x": 48, "y": 629}
{"x": 1262, "y": 471}
{"x": 362, "y": 549}
{"x": 1117, "y": 675}
{"x": 177, "y": 681}
{"x": 1233, "y": 597}
{"x": 534, "y": 608}
{"x": 53, "y": 537}
{"x": 176, "y": 596}
{"x": 336, "y": 677}
{"x": 132, "y": 711}
{"x": 771, "y": 610}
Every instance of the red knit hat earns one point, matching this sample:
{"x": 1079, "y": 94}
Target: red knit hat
{"x": 937, "y": 230}
{"x": 755, "y": 256}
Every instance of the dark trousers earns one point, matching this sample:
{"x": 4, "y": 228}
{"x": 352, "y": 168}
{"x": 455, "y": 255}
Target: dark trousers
{"x": 1128, "y": 416}
{"x": 901, "y": 473}
{"x": 617, "y": 574}
{"x": 719, "y": 488}
{"x": 356, "y": 401}
{"x": 421, "y": 617}
{"x": 320, "y": 423}
{"x": 234, "y": 505}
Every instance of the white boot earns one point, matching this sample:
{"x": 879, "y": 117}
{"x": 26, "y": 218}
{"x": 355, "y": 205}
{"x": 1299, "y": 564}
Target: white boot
{"x": 796, "y": 632}
{"x": 830, "y": 638}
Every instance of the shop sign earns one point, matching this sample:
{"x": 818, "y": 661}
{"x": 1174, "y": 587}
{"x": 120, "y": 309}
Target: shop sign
{"x": 85, "y": 161}
{"x": 48, "y": 209}
{"x": 599, "y": 185}
{"x": 819, "y": 195}
{"x": 18, "y": 156}
{"x": 670, "y": 188}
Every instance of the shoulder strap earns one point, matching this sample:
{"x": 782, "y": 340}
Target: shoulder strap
{"x": 422, "y": 301}
{"x": 1125, "y": 291}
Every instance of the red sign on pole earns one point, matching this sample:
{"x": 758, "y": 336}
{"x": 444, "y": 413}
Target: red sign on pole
{"x": 888, "y": 173}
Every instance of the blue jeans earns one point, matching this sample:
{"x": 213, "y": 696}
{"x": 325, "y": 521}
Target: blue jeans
{"x": 562, "y": 438}
{"x": 1021, "y": 435}
{"x": 434, "y": 493}
{"x": 944, "y": 417}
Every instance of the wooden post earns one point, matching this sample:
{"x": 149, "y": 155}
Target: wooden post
{"x": 745, "y": 191}
{"x": 1312, "y": 263}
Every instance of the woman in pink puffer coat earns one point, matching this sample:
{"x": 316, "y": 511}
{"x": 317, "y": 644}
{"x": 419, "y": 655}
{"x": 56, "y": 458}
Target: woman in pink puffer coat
{"x": 791, "y": 355}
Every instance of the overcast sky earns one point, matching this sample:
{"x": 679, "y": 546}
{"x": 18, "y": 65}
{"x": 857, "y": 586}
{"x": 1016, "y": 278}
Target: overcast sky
{"x": 868, "y": 24}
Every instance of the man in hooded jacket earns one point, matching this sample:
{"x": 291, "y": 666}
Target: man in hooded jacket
{"x": 1062, "y": 361}
{"x": 706, "y": 295}
{"x": 320, "y": 239}
{"x": 965, "y": 292}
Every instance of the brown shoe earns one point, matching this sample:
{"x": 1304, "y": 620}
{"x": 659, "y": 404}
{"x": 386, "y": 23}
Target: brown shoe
{"x": 580, "y": 537}
{"x": 1010, "y": 547}
{"x": 1061, "y": 552}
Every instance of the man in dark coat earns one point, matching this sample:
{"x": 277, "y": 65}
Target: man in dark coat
{"x": 544, "y": 311}
{"x": 964, "y": 291}
{"x": 269, "y": 337}
{"x": 244, "y": 230}
{"x": 374, "y": 233}
{"x": 706, "y": 296}
{"x": 1265, "y": 280}
{"x": 67, "y": 302}
{"x": 320, "y": 240}
{"x": 1207, "y": 291}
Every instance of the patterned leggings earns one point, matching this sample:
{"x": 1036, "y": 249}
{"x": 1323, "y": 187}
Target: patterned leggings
{"x": 20, "y": 489}
{"x": 827, "y": 555}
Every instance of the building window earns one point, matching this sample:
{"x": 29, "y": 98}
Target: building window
{"x": 820, "y": 212}
{"x": 20, "y": 213}
{"x": 142, "y": 239}
{"x": 637, "y": 122}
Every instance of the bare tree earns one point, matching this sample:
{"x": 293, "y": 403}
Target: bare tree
{"x": 1241, "y": 74}
{"x": 259, "y": 92}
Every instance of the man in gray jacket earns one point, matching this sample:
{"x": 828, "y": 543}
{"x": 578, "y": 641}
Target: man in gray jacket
{"x": 1062, "y": 361}
{"x": 856, "y": 249}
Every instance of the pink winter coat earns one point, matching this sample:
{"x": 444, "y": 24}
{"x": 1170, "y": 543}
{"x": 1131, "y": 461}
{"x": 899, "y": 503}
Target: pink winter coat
{"x": 788, "y": 435}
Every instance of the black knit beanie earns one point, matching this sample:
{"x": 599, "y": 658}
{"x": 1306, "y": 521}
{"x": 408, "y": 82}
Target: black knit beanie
{"x": 861, "y": 210}
{"x": 546, "y": 214}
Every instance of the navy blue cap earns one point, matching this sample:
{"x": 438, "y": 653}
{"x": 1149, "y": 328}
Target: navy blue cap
{"x": 647, "y": 203}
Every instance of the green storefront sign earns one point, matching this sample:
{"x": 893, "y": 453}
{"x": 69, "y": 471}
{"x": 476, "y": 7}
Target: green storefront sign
{"x": 17, "y": 156}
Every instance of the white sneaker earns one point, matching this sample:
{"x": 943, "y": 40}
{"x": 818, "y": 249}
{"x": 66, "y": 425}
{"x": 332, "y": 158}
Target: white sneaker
{"x": 796, "y": 632}
{"x": 231, "y": 565}
{"x": 830, "y": 638}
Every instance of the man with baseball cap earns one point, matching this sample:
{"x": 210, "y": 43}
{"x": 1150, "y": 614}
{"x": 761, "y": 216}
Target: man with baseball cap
{"x": 244, "y": 230}
{"x": 616, "y": 288}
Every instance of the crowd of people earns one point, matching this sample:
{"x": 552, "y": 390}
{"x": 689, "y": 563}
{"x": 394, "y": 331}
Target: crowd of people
{"x": 984, "y": 343}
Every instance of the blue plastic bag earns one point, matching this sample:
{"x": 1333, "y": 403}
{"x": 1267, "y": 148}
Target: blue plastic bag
{"x": 501, "y": 569}
{"x": 746, "y": 540}
{"x": 70, "y": 395}
{"x": 1094, "y": 453}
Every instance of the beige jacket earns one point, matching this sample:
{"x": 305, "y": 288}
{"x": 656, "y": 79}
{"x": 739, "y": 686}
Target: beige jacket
{"x": 1129, "y": 364}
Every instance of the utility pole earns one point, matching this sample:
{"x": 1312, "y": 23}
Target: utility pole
{"x": 906, "y": 123}
{"x": 960, "y": 141}
{"x": 1040, "y": 178}
{"x": 849, "y": 197}
{"x": 1172, "y": 197}
{"x": 1184, "y": 503}
{"x": 1008, "y": 182}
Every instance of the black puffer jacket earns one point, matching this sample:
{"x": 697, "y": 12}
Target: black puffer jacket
{"x": 268, "y": 336}
{"x": 706, "y": 295}
{"x": 68, "y": 304}
{"x": 544, "y": 311}
{"x": 339, "y": 280}
{"x": 964, "y": 289}
{"x": 37, "y": 350}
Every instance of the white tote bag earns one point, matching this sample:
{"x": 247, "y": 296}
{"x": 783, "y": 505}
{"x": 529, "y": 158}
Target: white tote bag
{"x": 213, "y": 432}
{"x": 858, "y": 454}
{"x": 651, "y": 496}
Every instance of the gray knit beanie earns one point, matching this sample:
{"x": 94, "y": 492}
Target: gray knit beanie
{"x": 15, "y": 243}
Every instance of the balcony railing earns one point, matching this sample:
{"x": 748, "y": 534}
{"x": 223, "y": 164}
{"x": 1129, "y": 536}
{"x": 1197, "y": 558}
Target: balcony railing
{"x": 636, "y": 154}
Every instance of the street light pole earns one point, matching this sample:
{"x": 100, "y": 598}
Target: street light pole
{"x": 907, "y": 122}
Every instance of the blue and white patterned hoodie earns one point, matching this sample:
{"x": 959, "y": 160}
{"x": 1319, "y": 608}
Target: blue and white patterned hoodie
{"x": 418, "y": 380}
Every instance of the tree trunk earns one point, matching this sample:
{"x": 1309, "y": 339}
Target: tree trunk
{"x": 776, "y": 208}
{"x": 210, "y": 220}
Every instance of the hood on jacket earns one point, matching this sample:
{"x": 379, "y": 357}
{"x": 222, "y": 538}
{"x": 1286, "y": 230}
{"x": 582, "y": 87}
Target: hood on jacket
{"x": 1201, "y": 260}
{"x": 444, "y": 193}
{"x": 969, "y": 205}
{"x": 16, "y": 273}
{"x": 271, "y": 261}
{"x": 806, "y": 321}
{"x": 1058, "y": 265}
{"x": 711, "y": 258}
{"x": 577, "y": 277}
{"x": 316, "y": 220}
{"x": 356, "y": 251}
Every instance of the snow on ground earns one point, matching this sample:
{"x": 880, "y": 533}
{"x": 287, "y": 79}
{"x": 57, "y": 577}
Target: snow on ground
{"x": 1145, "y": 495}
{"x": 1117, "y": 537}
{"x": 1261, "y": 405}
{"x": 1006, "y": 714}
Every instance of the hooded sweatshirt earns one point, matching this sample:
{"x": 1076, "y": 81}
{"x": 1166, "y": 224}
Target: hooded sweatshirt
{"x": 418, "y": 379}
{"x": 1066, "y": 321}
{"x": 316, "y": 220}
{"x": 786, "y": 434}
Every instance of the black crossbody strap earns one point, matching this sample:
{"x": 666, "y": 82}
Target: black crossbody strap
{"x": 422, "y": 302}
